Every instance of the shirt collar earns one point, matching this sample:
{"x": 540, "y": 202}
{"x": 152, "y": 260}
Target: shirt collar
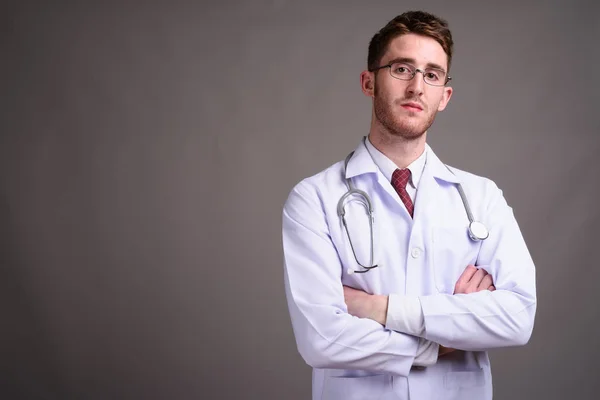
{"x": 361, "y": 162}
{"x": 387, "y": 166}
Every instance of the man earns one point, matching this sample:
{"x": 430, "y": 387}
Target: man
{"x": 404, "y": 305}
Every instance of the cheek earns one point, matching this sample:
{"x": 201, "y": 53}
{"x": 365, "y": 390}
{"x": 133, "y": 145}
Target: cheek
{"x": 442, "y": 102}
{"x": 383, "y": 99}
{"x": 437, "y": 104}
{"x": 389, "y": 92}
{"x": 440, "y": 106}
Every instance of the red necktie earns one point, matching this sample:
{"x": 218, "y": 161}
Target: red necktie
{"x": 400, "y": 178}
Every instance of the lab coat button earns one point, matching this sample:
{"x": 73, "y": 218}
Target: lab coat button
{"x": 415, "y": 252}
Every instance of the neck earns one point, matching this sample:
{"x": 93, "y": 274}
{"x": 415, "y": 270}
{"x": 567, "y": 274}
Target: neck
{"x": 400, "y": 150}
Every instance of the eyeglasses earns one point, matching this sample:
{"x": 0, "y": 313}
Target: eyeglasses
{"x": 405, "y": 72}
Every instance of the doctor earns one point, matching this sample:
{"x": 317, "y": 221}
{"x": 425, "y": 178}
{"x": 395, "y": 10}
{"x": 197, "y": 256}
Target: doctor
{"x": 406, "y": 304}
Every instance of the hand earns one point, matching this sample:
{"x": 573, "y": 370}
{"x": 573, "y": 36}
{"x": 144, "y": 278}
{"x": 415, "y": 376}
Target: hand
{"x": 473, "y": 280}
{"x": 445, "y": 350}
{"x": 364, "y": 305}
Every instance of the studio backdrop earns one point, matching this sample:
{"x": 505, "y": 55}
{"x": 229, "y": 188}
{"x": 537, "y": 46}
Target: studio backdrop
{"x": 146, "y": 151}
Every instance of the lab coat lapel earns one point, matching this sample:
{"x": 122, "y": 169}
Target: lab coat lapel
{"x": 434, "y": 174}
{"x": 362, "y": 163}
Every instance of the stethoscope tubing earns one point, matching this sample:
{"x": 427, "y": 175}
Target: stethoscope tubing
{"x": 477, "y": 231}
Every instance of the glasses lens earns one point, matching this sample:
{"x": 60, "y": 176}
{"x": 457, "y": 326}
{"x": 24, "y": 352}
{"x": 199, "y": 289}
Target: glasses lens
{"x": 434, "y": 77}
{"x": 402, "y": 71}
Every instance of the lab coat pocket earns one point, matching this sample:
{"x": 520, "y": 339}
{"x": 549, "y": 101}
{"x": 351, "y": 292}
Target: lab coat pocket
{"x": 464, "y": 379}
{"x": 453, "y": 250}
{"x": 356, "y": 387}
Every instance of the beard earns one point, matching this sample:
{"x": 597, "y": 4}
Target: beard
{"x": 401, "y": 125}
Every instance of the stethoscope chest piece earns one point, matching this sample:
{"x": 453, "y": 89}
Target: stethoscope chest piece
{"x": 478, "y": 231}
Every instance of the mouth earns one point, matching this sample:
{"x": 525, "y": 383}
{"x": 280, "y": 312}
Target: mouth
{"x": 411, "y": 106}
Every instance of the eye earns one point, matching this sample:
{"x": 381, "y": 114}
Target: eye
{"x": 433, "y": 76}
{"x": 401, "y": 69}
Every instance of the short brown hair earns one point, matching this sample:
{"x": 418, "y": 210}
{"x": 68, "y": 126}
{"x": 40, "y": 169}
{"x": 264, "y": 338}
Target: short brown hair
{"x": 418, "y": 22}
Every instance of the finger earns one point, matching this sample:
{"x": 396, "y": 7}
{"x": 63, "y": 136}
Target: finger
{"x": 477, "y": 278}
{"x": 467, "y": 274}
{"x": 492, "y": 288}
{"x": 486, "y": 282}
{"x": 462, "y": 284}
{"x": 473, "y": 285}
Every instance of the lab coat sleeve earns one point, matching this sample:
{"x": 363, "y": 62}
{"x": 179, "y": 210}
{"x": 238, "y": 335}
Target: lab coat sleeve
{"x": 326, "y": 335}
{"x": 486, "y": 320}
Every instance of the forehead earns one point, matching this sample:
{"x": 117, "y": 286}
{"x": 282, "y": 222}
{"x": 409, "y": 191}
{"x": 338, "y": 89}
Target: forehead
{"x": 423, "y": 49}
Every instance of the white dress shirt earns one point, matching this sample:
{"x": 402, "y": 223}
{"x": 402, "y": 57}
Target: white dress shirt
{"x": 404, "y": 313}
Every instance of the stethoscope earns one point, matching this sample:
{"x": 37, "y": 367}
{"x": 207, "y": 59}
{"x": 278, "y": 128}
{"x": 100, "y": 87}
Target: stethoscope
{"x": 477, "y": 230}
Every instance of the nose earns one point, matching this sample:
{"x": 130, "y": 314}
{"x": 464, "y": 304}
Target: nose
{"x": 415, "y": 85}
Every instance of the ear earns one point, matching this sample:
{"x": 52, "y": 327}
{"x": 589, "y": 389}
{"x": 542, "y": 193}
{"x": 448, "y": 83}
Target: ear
{"x": 367, "y": 83}
{"x": 445, "y": 98}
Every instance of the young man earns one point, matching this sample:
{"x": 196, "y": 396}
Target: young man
{"x": 404, "y": 304}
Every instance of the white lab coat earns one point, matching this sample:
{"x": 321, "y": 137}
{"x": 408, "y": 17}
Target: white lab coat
{"x": 354, "y": 358}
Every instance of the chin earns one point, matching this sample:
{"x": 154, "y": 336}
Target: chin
{"x": 408, "y": 127}
{"x": 409, "y": 131}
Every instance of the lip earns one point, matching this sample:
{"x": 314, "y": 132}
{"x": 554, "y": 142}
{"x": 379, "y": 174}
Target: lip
{"x": 412, "y": 106}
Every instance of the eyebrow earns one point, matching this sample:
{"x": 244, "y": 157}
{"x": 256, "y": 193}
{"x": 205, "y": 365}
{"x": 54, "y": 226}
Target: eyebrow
{"x": 413, "y": 61}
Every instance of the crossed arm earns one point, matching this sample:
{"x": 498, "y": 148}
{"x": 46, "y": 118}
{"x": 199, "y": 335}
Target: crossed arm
{"x": 328, "y": 336}
{"x": 375, "y": 307}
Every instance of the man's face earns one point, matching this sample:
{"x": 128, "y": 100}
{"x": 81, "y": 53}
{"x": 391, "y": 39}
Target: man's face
{"x": 408, "y": 108}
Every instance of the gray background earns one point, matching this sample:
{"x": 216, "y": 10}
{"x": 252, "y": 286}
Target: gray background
{"x": 146, "y": 152}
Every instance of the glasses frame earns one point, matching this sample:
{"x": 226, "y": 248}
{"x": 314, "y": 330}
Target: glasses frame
{"x": 415, "y": 70}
